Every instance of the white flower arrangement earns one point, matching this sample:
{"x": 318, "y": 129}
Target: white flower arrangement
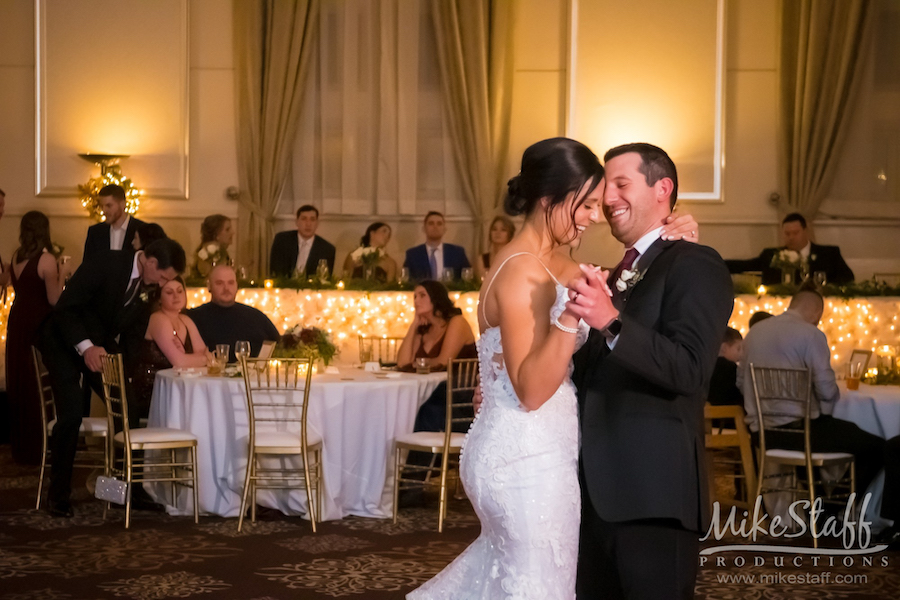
{"x": 211, "y": 252}
{"x": 367, "y": 255}
{"x": 628, "y": 278}
{"x": 786, "y": 259}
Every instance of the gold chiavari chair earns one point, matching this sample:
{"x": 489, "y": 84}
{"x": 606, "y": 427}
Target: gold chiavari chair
{"x": 382, "y": 349}
{"x": 91, "y": 432}
{"x": 144, "y": 454}
{"x": 462, "y": 376}
{"x": 775, "y": 390}
{"x": 734, "y": 436}
{"x": 278, "y": 395}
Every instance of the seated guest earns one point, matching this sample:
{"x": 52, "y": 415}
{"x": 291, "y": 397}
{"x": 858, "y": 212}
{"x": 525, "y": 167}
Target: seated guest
{"x": 224, "y": 321}
{"x": 793, "y": 340}
{"x": 723, "y": 388}
{"x": 216, "y": 234}
{"x": 116, "y": 232}
{"x": 172, "y": 340}
{"x": 437, "y": 333}
{"x": 301, "y": 250}
{"x": 377, "y": 236}
{"x": 146, "y": 234}
{"x": 429, "y": 260}
{"x": 758, "y": 316}
{"x": 500, "y": 232}
{"x": 814, "y": 257}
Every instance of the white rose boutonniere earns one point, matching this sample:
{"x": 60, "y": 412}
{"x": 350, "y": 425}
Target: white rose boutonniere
{"x": 628, "y": 278}
{"x": 144, "y": 296}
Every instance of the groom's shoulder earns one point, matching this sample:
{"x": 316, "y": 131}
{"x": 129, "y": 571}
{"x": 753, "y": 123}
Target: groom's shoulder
{"x": 689, "y": 250}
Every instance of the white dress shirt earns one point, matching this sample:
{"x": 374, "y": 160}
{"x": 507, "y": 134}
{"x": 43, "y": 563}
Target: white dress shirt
{"x": 438, "y": 258}
{"x": 304, "y": 246}
{"x": 117, "y": 234}
{"x": 641, "y": 246}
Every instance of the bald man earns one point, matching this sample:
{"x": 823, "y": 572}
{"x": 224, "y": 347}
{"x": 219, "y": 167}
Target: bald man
{"x": 223, "y": 320}
{"x": 793, "y": 340}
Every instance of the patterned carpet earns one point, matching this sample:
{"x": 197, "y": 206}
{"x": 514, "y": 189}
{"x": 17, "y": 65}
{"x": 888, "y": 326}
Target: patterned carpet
{"x": 87, "y": 558}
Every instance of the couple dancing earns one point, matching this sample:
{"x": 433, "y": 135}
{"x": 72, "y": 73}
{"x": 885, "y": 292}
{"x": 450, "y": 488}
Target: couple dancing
{"x": 622, "y": 509}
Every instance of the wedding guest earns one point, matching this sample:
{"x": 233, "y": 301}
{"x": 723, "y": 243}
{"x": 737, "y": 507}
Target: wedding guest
{"x": 793, "y": 340}
{"x": 301, "y": 250}
{"x": 377, "y": 236}
{"x": 501, "y": 231}
{"x": 146, "y": 234}
{"x": 216, "y": 234}
{"x": 223, "y": 320}
{"x": 38, "y": 279}
{"x": 428, "y": 260}
{"x": 171, "y": 340}
{"x": 723, "y": 388}
{"x": 116, "y": 232}
{"x": 104, "y": 308}
{"x": 813, "y": 257}
{"x": 438, "y": 331}
{"x": 758, "y": 316}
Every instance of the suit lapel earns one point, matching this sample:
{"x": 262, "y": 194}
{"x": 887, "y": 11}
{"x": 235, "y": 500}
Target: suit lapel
{"x": 643, "y": 265}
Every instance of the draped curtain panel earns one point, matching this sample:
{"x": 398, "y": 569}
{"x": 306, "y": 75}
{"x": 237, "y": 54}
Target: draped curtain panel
{"x": 474, "y": 41}
{"x": 822, "y": 56}
{"x": 272, "y": 45}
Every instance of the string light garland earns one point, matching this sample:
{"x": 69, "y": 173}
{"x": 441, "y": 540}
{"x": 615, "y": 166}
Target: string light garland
{"x": 110, "y": 174}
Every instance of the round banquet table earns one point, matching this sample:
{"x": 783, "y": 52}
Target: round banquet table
{"x": 358, "y": 414}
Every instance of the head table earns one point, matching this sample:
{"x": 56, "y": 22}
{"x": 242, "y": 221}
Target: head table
{"x": 358, "y": 414}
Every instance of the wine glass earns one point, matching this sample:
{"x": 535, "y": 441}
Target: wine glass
{"x": 404, "y": 276}
{"x": 242, "y": 349}
{"x": 468, "y": 274}
{"x": 322, "y": 270}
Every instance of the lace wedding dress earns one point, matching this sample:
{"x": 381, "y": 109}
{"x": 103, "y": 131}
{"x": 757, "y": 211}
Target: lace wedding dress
{"x": 520, "y": 470}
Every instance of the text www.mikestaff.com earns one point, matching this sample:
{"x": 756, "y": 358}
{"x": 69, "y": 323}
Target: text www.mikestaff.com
{"x": 794, "y": 578}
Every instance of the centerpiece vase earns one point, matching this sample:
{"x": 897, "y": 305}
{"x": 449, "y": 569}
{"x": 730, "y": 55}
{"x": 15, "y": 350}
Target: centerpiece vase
{"x": 787, "y": 275}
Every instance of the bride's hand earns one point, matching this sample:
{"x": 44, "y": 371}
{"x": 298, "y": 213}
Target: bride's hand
{"x": 681, "y": 227}
{"x": 591, "y": 298}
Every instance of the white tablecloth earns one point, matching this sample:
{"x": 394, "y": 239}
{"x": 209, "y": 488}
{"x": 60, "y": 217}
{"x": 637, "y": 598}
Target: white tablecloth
{"x": 357, "y": 414}
{"x": 875, "y": 408}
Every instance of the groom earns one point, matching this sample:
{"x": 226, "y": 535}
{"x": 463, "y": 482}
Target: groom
{"x": 642, "y": 379}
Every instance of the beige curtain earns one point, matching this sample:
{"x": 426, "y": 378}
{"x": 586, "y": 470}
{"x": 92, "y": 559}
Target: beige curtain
{"x": 272, "y": 47}
{"x": 822, "y": 52}
{"x": 474, "y": 43}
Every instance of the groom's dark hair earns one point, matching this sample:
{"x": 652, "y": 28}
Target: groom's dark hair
{"x": 655, "y": 164}
{"x": 168, "y": 253}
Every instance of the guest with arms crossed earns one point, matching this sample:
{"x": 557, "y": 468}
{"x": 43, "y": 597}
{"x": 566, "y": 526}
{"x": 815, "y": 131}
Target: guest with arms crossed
{"x": 223, "y": 320}
{"x": 428, "y": 260}
{"x": 171, "y": 340}
{"x": 116, "y": 232}
{"x": 301, "y": 249}
{"x": 104, "y": 308}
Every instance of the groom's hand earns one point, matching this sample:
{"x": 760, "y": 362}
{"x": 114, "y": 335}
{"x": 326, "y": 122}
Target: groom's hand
{"x": 590, "y": 298}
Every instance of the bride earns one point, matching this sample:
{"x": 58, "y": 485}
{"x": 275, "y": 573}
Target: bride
{"x": 520, "y": 460}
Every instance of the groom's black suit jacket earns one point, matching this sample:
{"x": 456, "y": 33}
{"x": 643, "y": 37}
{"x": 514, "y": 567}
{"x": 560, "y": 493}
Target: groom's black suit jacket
{"x": 643, "y": 444}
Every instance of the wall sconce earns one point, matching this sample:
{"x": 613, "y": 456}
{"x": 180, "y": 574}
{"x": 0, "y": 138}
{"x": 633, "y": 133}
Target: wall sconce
{"x": 110, "y": 174}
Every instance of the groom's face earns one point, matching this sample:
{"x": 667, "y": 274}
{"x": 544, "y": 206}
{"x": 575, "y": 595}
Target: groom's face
{"x": 631, "y": 207}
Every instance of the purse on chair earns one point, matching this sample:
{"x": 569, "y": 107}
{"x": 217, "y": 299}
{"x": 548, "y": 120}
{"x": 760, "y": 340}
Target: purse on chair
{"x": 110, "y": 489}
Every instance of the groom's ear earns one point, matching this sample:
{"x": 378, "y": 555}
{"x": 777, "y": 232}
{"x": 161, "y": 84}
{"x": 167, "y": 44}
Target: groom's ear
{"x": 664, "y": 188}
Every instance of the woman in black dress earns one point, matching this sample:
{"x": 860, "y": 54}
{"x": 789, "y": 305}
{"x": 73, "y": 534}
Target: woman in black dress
{"x": 38, "y": 279}
{"x": 500, "y": 232}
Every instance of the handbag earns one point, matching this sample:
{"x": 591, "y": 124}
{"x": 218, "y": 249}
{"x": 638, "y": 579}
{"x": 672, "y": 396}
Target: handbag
{"x": 111, "y": 489}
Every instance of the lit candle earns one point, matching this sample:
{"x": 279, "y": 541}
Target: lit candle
{"x": 269, "y": 284}
{"x": 761, "y": 290}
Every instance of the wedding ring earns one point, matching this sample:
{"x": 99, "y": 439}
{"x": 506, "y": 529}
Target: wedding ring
{"x": 693, "y": 234}
{"x": 575, "y": 296}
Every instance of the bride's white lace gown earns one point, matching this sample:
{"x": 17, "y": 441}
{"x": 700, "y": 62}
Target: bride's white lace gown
{"x": 520, "y": 470}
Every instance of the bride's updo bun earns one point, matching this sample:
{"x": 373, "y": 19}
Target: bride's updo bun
{"x": 552, "y": 169}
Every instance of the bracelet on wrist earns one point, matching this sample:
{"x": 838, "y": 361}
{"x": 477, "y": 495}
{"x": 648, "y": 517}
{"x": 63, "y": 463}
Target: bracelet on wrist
{"x": 562, "y": 327}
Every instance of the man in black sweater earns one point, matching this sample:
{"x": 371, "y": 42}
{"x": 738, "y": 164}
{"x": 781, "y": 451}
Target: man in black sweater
{"x": 225, "y": 321}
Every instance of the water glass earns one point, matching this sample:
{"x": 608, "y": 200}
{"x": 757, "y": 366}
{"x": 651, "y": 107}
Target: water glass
{"x": 447, "y": 275}
{"x": 820, "y": 279}
{"x": 468, "y": 274}
{"x": 404, "y": 276}
{"x": 322, "y": 270}
{"x": 422, "y": 366}
{"x": 242, "y": 348}
{"x": 222, "y": 351}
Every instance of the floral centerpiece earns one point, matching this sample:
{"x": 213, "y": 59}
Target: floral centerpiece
{"x": 367, "y": 257}
{"x": 789, "y": 261}
{"x": 209, "y": 255}
{"x": 306, "y": 342}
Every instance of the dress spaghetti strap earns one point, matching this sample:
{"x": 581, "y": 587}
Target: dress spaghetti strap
{"x": 494, "y": 276}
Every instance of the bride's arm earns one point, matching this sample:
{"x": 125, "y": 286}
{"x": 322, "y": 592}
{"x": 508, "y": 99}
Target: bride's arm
{"x": 536, "y": 353}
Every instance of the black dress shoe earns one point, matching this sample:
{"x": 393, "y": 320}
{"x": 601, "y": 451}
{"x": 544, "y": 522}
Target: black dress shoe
{"x": 62, "y": 510}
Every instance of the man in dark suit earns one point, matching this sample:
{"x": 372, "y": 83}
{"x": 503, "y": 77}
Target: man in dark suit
{"x": 300, "y": 250}
{"x": 642, "y": 379}
{"x": 428, "y": 260}
{"x": 116, "y": 232}
{"x": 104, "y": 308}
{"x": 814, "y": 257}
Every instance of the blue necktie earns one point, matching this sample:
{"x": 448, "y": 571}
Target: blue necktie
{"x": 432, "y": 261}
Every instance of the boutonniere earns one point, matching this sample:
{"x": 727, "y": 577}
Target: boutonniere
{"x": 812, "y": 257}
{"x": 144, "y": 296}
{"x": 628, "y": 278}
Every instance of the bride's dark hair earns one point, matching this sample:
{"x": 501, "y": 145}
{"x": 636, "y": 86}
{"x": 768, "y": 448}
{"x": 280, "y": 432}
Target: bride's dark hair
{"x": 552, "y": 169}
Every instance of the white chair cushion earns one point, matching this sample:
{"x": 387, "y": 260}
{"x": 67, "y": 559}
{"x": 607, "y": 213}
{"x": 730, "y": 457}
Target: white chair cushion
{"x": 92, "y": 425}
{"x": 283, "y": 439}
{"x": 431, "y": 438}
{"x": 816, "y": 456}
{"x": 148, "y": 435}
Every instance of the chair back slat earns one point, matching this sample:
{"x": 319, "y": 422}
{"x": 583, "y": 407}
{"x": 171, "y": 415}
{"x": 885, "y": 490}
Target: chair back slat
{"x": 382, "y": 349}
{"x": 112, "y": 374}
{"x": 277, "y": 390}
{"x": 462, "y": 376}
{"x": 45, "y": 392}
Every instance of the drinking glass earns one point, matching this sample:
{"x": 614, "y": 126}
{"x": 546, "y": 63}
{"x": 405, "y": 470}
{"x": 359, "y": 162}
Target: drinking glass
{"x": 468, "y": 274}
{"x": 820, "y": 279}
{"x": 222, "y": 351}
{"x": 422, "y": 366}
{"x": 447, "y": 275}
{"x": 322, "y": 270}
{"x": 404, "y": 276}
{"x": 242, "y": 348}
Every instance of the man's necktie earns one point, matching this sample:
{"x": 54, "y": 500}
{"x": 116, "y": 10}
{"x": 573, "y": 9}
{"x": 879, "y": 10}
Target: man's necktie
{"x": 631, "y": 255}
{"x": 432, "y": 261}
{"x": 132, "y": 290}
